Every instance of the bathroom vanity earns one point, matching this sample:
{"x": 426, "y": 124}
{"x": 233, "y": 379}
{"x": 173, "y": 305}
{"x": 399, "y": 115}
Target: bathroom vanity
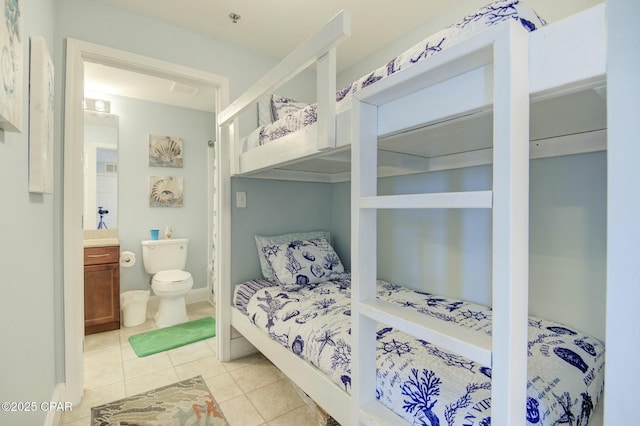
{"x": 101, "y": 287}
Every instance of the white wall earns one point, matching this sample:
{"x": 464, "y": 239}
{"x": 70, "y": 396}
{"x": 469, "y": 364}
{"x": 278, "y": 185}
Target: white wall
{"x": 30, "y": 282}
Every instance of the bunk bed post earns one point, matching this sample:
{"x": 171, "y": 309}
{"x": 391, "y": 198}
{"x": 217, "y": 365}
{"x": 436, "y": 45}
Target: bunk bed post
{"x": 325, "y": 93}
{"x": 510, "y": 226}
{"x": 233, "y": 145}
{"x": 363, "y": 255}
{"x": 223, "y": 246}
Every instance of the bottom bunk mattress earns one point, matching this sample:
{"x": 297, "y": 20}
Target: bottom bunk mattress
{"x": 420, "y": 382}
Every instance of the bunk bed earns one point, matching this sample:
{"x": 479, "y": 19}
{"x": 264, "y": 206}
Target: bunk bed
{"x": 502, "y": 78}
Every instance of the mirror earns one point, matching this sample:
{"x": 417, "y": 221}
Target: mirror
{"x": 100, "y": 170}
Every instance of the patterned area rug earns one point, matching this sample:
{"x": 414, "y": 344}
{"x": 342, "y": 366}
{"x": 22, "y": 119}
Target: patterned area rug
{"x": 185, "y": 403}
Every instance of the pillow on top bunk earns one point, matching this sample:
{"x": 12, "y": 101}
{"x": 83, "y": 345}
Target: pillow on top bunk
{"x": 282, "y": 106}
{"x": 299, "y": 264}
{"x": 263, "y": 242}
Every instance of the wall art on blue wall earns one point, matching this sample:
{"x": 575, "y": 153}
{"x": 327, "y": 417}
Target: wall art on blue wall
{"x": 40, "y": 118}
{"x": 165, "y": 151}
{"x": 165, "y": 191}
{"x": 11, "y": 66}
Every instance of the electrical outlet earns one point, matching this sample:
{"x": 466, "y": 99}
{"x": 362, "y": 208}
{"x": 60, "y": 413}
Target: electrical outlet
{"x": 241, "y": 200}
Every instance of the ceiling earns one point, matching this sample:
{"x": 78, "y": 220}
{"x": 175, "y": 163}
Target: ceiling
{"x": 270, "y": 27}
{"x": 101, "y": 79}
{"x": 276, "y": 27}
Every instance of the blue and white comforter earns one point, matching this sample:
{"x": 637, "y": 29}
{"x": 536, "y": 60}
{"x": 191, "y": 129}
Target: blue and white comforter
{"x": 464, "y": 29}
{"x": 421, "y": 382}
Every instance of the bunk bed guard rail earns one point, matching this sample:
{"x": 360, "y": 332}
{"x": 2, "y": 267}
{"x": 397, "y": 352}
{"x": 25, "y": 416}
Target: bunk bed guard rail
{"x": 320, "y": 48}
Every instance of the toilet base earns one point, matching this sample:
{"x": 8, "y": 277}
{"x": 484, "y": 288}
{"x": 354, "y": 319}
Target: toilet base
{"x": 171, "y": 311}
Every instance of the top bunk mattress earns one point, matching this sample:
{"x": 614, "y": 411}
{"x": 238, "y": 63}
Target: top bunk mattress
{"x": 290, "y": 116}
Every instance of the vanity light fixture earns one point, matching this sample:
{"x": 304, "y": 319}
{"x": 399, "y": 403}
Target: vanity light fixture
{"x": 234, "y": 17}
{"x": 97, "y": 105}
{"x": 100, "y": 105}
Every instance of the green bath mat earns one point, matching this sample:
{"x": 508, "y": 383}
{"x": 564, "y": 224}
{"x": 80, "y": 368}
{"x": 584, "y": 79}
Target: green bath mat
{"x": 163, "y": 339}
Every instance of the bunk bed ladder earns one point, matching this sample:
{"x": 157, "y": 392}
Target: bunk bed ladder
{"x": 506, "y": 47}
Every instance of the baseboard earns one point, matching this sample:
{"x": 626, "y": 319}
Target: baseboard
{"x": 197, "y": 295}
{"x": 57, "y": 406}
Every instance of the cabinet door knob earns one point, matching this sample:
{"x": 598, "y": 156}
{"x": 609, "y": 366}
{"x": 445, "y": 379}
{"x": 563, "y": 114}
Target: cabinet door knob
{"x": 98, "y": 255}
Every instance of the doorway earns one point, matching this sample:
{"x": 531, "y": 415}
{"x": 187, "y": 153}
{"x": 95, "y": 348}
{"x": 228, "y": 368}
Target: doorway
{"x": 79, "y": 52}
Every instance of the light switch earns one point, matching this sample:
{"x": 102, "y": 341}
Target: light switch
{"x": 241, "y": 200}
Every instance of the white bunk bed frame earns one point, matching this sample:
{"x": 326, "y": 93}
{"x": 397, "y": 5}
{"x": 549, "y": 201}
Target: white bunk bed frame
{"x": 560, "y": 59}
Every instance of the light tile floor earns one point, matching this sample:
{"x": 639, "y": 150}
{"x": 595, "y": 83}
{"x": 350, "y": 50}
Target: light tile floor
{"x": 250, "y": 391}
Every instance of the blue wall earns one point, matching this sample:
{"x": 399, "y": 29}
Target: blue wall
{"x": 273, "y": 207}
{"x": 138, "y": 119}
{"x": 29, "y": 323}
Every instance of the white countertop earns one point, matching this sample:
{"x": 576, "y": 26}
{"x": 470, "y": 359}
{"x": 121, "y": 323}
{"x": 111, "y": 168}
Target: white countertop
{"x": 101, "y": 238}
{"x": 101, "y": 242}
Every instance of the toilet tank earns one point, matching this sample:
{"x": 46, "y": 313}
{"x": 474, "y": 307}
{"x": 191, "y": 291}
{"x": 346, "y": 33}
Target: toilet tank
{"x": 163, "y": 255}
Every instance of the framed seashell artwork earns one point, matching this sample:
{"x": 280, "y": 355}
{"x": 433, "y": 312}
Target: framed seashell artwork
{"x": 165, "y": 191}
{"x": 12, "y": 69}
{"x": 165, "y": 151}
{"x": 41, "y": 104}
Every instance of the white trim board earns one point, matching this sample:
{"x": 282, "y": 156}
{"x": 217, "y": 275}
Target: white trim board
{"x": 54, "y": 416}
{"x": 77, "y": 53}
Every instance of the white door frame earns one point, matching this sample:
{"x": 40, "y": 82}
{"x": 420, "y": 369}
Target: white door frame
{"x": 79, "y": 52}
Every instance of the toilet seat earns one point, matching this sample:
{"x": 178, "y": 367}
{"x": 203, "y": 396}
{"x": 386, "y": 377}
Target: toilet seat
{"x": 171, "y": 280}
{"x": 172, "y": 275}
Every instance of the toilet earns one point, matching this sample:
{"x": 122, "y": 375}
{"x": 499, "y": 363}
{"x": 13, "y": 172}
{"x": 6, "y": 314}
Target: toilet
{"x": 165, "y": 260}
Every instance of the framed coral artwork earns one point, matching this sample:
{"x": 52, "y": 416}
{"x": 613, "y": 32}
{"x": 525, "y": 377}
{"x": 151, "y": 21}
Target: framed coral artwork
{"x": 165, "y": 191}
{"x": 11, "y": 66}
{"x": 40, "y": 118}
{"x": 165, "y": 151}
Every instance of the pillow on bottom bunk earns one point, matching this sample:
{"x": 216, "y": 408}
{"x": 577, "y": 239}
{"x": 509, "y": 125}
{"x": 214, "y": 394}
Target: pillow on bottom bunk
{"x": 297, "y": 264}
{"x": 263, "y": 241}
{"x": 421, "y": 382}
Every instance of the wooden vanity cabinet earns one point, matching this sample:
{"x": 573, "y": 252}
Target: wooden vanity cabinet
{"x": 101, "y": 289}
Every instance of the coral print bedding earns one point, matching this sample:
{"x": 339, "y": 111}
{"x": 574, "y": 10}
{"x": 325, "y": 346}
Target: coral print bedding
{"x": 290, "y": 116}
{"x": 416, "y": 379}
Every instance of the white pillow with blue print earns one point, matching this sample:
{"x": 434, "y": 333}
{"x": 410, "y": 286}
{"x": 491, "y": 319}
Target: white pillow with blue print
{"x": 303, "y": 263}
{"x": 282, "y": 106}
{"x": 263, "y": 242}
